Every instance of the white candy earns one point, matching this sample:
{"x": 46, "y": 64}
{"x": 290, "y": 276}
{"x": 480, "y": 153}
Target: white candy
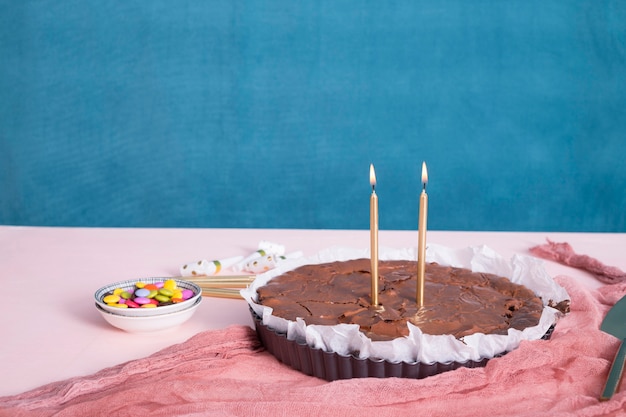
{"x": 205, "y": 267}
{"x": 262, "y": 264}
{"x": 240, "y": 266}
{"x": 266, "y": 257}
{"x": 272, "y": 248}
{"x": 265, "y": 248}
{"x": 267, "y": 262}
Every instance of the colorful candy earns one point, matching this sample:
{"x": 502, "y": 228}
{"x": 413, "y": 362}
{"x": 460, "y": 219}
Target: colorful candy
{"x": 148, "y": 295}
{"x": 170, "y": 284}
{"x": 111, "y": 298}
{"x": 142, "y": 292}
{"x": 161, "y": 298}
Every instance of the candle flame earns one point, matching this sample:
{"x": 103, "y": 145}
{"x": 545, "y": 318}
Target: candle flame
{"x": 372, "y": 176}
{"x": 424, "y": 174}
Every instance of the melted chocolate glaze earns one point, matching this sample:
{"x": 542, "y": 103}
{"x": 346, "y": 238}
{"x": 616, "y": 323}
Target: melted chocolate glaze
{"x": 456, "y": 301}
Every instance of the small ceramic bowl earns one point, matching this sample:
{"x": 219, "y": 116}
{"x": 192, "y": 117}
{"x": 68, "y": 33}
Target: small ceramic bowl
{"x": 146, "y": 312}
{"x": 152, "y": 323}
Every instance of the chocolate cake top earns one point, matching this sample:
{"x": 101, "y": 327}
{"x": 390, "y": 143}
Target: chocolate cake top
{"x": 457, "y": 301}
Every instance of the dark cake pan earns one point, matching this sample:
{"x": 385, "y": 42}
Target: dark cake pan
{"x": 332, "y": 366}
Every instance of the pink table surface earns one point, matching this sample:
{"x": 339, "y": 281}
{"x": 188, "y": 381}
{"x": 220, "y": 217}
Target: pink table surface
{"x": 52, "y": 331}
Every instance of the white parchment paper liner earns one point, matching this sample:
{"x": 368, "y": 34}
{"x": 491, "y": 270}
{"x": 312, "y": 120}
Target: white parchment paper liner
{"x": 346, "y": 339}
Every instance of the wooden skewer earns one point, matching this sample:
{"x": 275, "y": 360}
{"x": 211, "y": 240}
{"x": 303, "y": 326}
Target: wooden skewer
{"x": 211, "y": 280}
{"x": 205, "y": 278}
{"x": 223, "y": 284}
{"x": 220, "y": 292}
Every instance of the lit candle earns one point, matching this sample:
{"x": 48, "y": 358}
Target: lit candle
{"x": 421, "y": 239}
{"x": 374, "y": 236}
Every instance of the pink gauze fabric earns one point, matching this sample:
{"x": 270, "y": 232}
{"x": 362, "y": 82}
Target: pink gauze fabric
{"x": 226, "y": 373}
{"x": 564, "y": 253}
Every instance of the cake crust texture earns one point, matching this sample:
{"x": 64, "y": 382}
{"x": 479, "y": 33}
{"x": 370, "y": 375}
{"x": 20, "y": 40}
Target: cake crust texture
{"x": 457, "y": 301}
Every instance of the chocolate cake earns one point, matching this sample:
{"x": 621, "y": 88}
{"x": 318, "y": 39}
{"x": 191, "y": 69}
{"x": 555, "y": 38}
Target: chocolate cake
{"x": 314, "y": 314}
{"x": 457, "y": 301}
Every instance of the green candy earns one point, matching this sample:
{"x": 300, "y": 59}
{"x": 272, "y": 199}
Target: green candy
{"x": 162, "y": 298}
{"x": 166, "y": 292}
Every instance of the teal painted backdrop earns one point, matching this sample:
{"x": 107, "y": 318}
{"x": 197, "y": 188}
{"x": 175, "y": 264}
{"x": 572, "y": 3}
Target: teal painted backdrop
{"x": 268, "y": 113}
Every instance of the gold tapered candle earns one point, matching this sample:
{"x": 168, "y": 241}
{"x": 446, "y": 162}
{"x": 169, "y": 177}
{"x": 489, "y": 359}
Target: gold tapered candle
{"x": 374, "y": 236}
{"x": 421, "y": 239}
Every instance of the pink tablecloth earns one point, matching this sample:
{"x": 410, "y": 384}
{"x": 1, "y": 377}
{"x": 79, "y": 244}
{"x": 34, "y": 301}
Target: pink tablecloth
{"x": 227, "y": 373}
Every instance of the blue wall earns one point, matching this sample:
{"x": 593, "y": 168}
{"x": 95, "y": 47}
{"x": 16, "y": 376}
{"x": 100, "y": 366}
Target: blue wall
{"x": 267, "y": 114}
